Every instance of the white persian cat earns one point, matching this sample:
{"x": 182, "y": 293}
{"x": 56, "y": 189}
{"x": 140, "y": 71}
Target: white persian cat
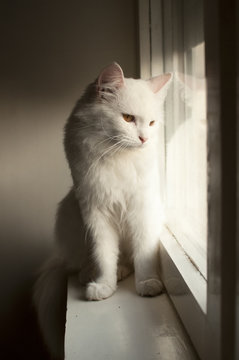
{"x": 109, "y": 223}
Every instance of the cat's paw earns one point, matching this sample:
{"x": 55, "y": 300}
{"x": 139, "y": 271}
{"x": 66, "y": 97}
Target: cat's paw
{"x": 123, "y": 271}
{"x": 149, "y": 287}
{"x": 99, "y": 291}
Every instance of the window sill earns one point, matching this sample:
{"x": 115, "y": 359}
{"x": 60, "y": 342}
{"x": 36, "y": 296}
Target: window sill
{"x": 125, "y": 326}
{"x": 186, "y": 287}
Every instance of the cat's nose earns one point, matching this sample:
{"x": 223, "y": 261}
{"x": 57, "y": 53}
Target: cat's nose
{"x": 143, "y": 139}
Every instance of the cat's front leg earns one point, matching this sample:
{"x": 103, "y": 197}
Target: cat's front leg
{"x": 105, "y": 251}
{"x": 147, "y": 279}
{"x": 146, "y": 253}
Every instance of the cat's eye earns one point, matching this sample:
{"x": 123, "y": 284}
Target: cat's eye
{"x": 129, "y": 118}
{"x": 152, "y": 123}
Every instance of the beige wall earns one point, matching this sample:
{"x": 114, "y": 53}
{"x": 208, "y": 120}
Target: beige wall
{"x": 50, "y": 51}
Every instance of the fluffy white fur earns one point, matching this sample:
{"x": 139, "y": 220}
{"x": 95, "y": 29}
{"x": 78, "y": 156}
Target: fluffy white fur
{"x": 110, "y": 221}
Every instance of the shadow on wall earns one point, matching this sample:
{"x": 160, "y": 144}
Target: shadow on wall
{"x": 20, "y": 337}
{"x": 20, "y": 334}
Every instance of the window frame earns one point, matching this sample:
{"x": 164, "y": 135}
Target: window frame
{"x": 222, "y": 76}
{"x": 212, "y": 329}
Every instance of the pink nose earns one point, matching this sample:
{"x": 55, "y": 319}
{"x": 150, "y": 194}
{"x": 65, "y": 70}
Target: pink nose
{"x": 143, "y": 140}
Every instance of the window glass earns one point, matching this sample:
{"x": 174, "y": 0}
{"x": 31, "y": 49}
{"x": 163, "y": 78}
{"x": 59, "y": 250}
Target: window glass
{"x": 186, "y": 128}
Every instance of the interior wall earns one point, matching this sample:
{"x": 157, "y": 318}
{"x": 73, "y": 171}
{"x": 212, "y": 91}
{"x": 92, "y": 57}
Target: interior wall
{"x": 50, "y": 50}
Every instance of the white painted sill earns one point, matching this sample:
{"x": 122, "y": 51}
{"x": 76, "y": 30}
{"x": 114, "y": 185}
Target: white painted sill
{"x": 124, "y": 326}
{"x": 186, "y": 287}
{"x": 191, "y": 275}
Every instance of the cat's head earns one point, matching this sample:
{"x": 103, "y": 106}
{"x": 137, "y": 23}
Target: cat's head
{"x": 129, "y": 110}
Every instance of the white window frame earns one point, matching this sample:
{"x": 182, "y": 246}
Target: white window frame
{"x": 207, "y": 308}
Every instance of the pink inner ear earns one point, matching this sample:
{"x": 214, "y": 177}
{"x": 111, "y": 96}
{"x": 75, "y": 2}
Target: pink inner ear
{"x": 158, "y": 82}
{"x": 112, "y": 74}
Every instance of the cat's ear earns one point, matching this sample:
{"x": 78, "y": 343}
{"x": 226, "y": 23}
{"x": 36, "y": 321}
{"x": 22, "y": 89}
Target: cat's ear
{"x": 111, "y": 77}
{"x": 160, "y": 84}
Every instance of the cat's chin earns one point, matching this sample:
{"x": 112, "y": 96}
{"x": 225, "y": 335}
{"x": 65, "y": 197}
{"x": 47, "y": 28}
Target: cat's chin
{"x": 137, "y": 146}
{"x": 143, "y": 146}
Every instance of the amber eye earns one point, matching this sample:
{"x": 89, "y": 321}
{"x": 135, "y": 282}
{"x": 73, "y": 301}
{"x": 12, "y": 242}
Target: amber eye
{"x": 129, "y": 118}
{"x": 151, "y": 123}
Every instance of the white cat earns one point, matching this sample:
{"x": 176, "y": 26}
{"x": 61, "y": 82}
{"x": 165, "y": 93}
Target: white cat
{"x": 109, "y": 223}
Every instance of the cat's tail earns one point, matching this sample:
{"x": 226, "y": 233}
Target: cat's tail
{"x": 50, "y": 292}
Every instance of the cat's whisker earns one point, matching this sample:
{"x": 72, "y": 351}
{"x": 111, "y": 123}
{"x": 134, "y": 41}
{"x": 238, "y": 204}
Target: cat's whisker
{"x": 114, "y": 148}
{"x": 128, "y": 138}
{"x": 109, "y": 138}
{"x": 101, "y": 156}
{"x": 103, "y": 141}
{"x": 109, "y": 149}
{"x": 122, "y": 148}
{"x": 118, "y": 148}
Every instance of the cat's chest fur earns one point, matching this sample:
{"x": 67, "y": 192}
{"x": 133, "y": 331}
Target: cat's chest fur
{"x": 119, "y": 179}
